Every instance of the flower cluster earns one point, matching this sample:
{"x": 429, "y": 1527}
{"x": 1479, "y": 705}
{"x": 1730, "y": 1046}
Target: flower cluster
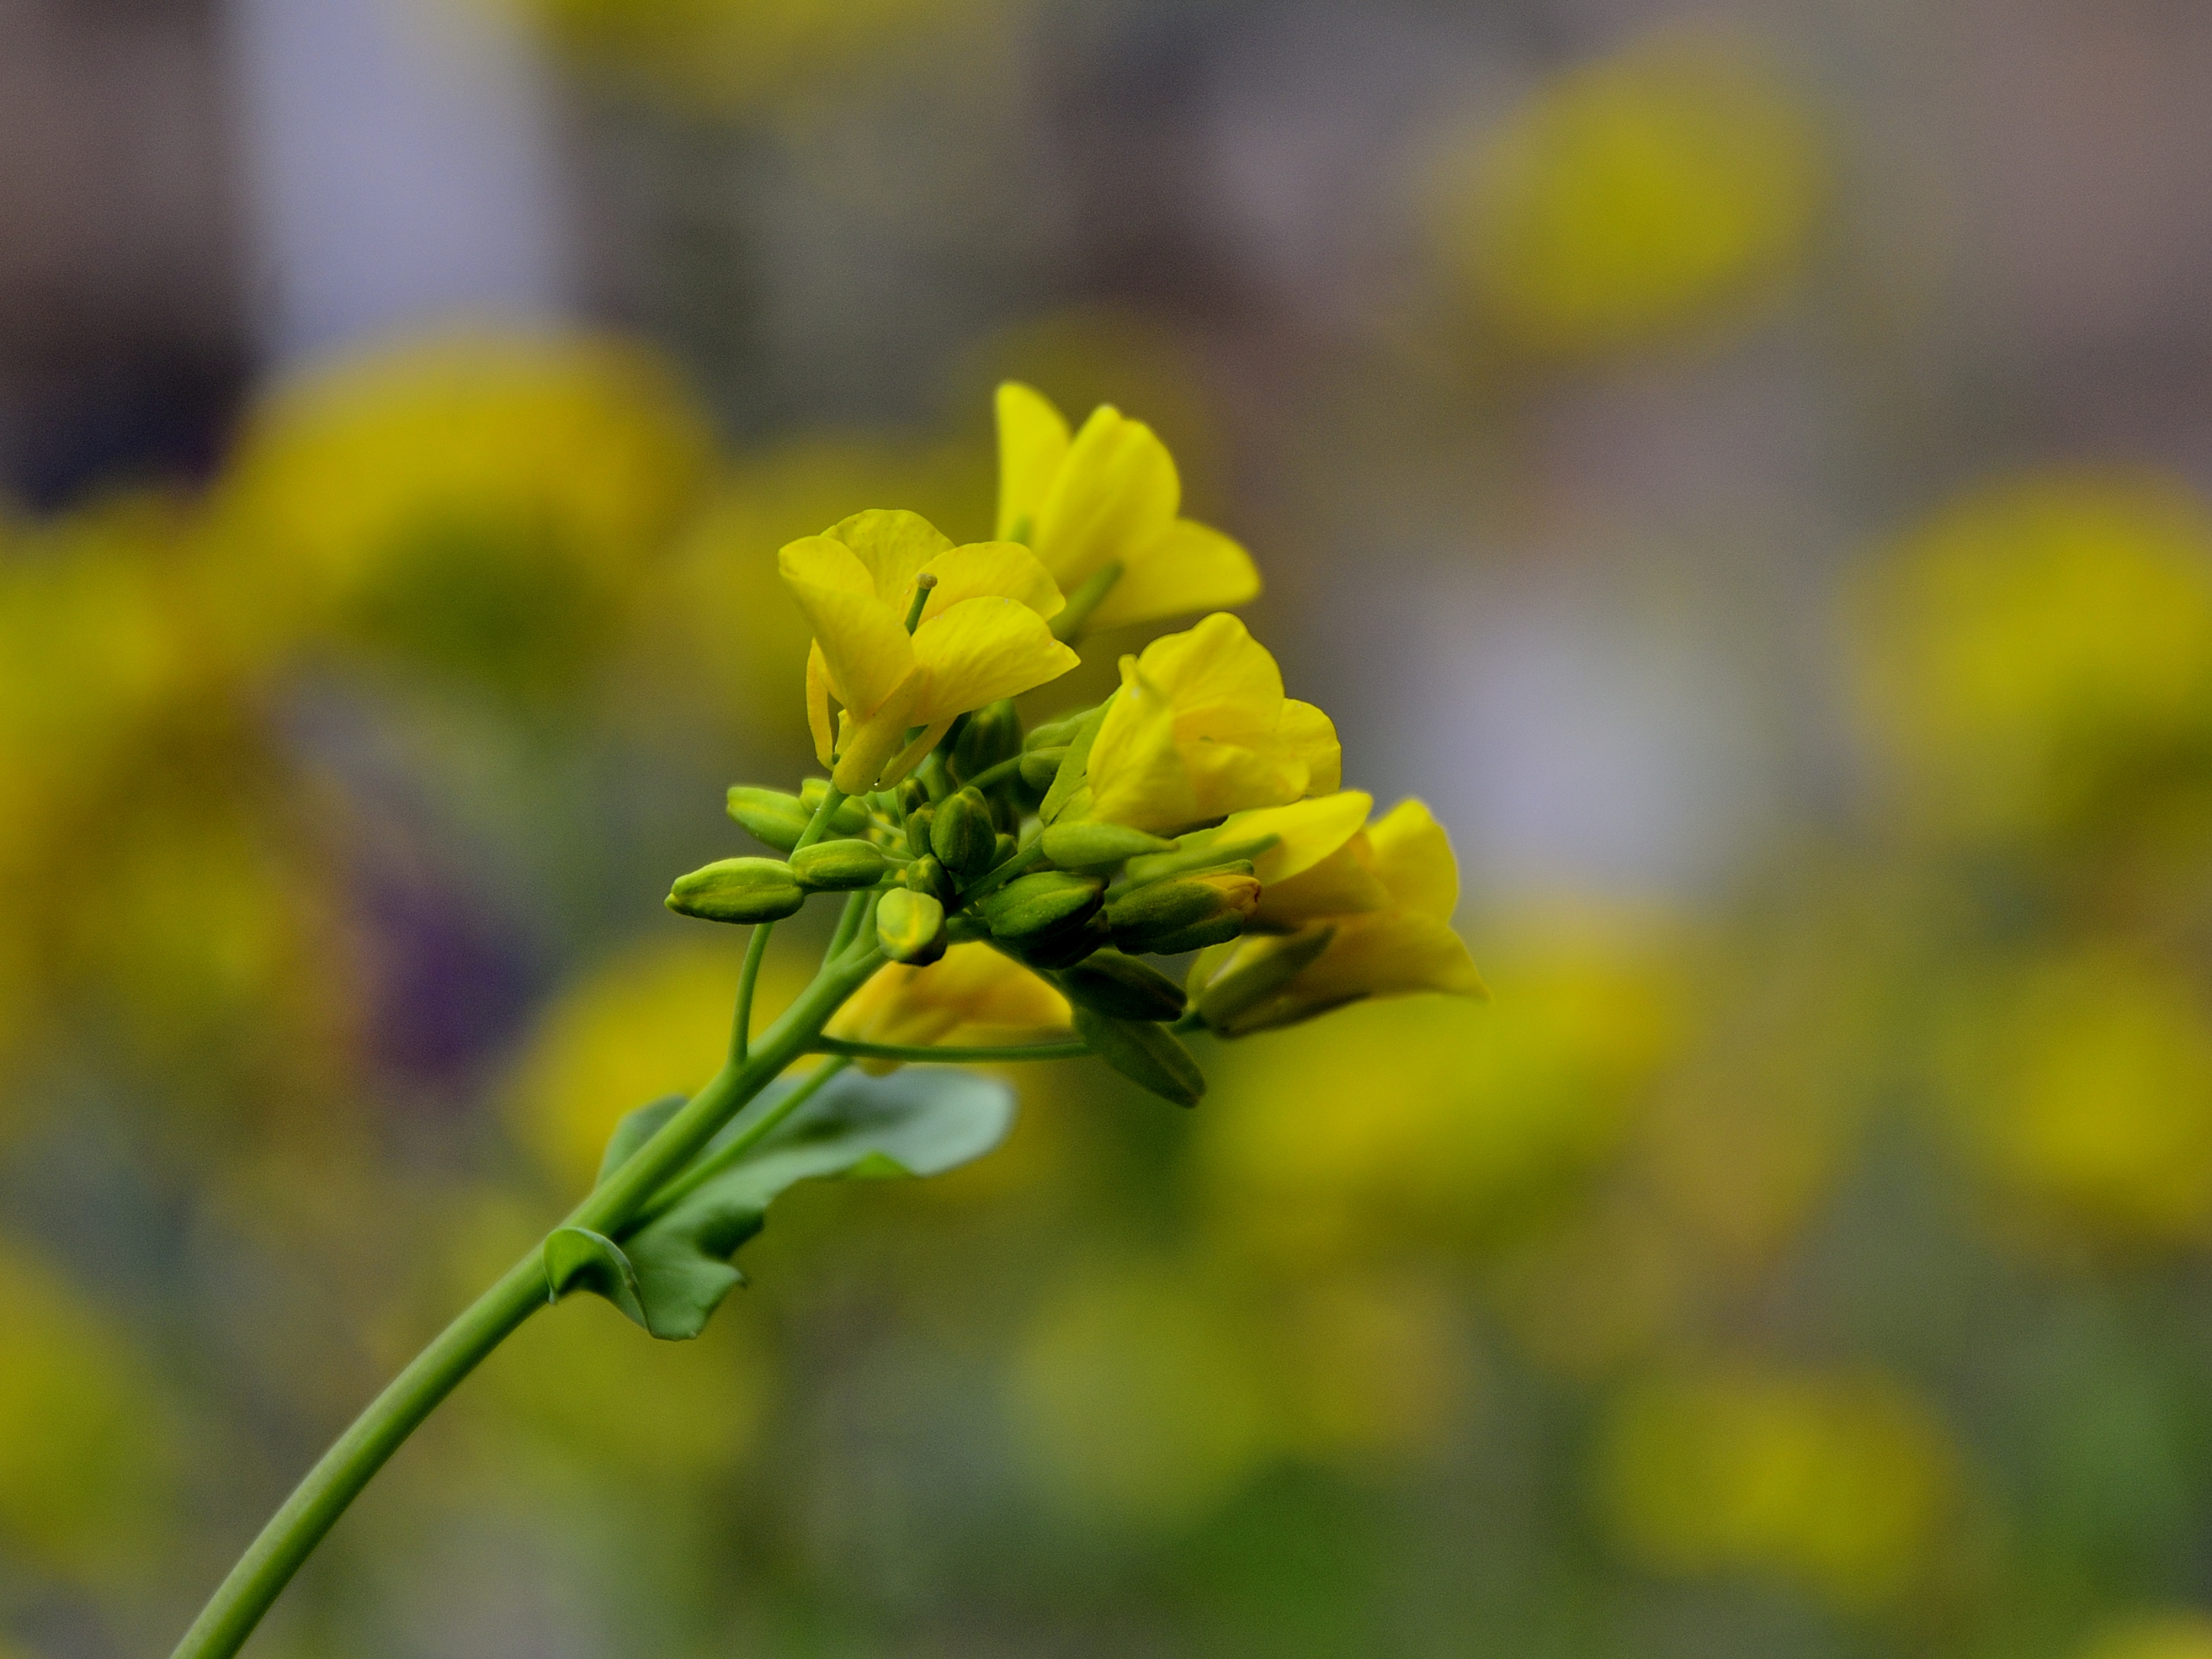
{"x": 1015, "y": 874}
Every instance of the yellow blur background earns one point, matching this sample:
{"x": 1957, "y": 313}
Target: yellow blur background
{"x": 1746, "y": 465}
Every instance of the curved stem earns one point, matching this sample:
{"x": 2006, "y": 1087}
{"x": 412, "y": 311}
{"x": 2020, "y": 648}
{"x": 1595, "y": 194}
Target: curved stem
{"x": 340, "y": 1474}
{"x": 738, "y": 1145}
{"x": 741, "y": 1024}
{"x": 983, "y": 1054}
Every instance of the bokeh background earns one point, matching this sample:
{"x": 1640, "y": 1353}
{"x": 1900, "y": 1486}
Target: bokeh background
{"x": 1743, "y": 463}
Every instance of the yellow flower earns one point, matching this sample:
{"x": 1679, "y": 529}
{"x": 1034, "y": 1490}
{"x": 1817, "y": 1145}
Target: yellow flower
{"x": 1200, "y": 728}
{"x": 1370, "y": 906}
{"x": 982, "y": 636}
{"x": 1110, "y": 496}
{"x": 971, "y": 995}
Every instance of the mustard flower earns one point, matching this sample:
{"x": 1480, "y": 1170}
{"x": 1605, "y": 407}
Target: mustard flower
{"x": 981, "y": 635}
{"x": 1200, "y": 728}
{"x": 1109, "y": 496}
{"x": 971, "y": 995}
{"x": 1348, "y": 909}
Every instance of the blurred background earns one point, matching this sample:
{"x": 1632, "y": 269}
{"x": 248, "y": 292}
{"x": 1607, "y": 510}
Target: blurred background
{"x": 1743, "y": 463}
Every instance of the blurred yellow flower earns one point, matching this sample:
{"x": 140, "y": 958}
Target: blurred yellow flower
{"x": 1633, "y": 196}
{"x": 1373, "y": 1368}
{"x": 1840, "y": 1484}
{"x": 1384, "y": 892}
{"x": 1110, "y": 496}
{"x": 972, "y": 995}
{"x": 1200, "y": 728}
{"x": 2037, "y": 658}
{"x": 982, "y": 636}
{"x": 2170, "y": 1635}
{"x": 483, "y": 503}
{"x": 2086, "y": 1088}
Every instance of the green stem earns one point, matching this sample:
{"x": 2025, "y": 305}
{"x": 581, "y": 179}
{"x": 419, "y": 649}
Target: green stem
{"x": 338, "y": 1478}
{"x": 991, "y": 881}
{"x": 741, "y": 1024}
{"x": 991, "y": 776}
{"x": 983, "y": 1054}
{"x": 1086, "y": 599}
{"x": 738, "y": 1145}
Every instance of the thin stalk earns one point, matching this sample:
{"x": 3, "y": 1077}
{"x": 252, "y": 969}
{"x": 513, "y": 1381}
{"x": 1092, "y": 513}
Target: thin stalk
{"x": 1069, "y": 621}
{"x": 737, "y": 1145}
{"x": 982, "y": 1054}
{"x": 741, "y": 1022}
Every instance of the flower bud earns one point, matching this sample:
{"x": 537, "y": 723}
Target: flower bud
{"x": 838, "y": 866}
{"x": 1229, "y": 1003}
{"x": 926, "y": 875}
{"x": 1193, "y": 854}
{"x": 851, "y": 817}
{"x": 1185, "y": 914}
{"x": 1146, "y": 1053}
{"x": 963, "y": 836}
{"x": 1031, "y": 906}
{"x": 910, "y": 927}
{"x": 1092, "y": 846}
{"x": 1002, "y": 849}
{"x": 1064, "y": 946}
{"x": 1122, "y": 987}
{"x": 1041, "y": 766}
{"x": 992, "y": 734}
{"x": 1054, "y": 734}
{"x": 739, "y": 889}
{"x": 913, "y": 794}
{"x": 769, "y": 816}
{"x": 919, "y": 820}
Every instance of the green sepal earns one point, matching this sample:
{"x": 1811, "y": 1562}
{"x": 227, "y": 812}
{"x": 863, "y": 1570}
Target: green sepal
{"x": 919, "y": 1122}
{"x": 1148, "y": 1054}
{"x": 963, "y": 836}
{"x": 1089, "y": 845}
{"x": 769, "y": 816}
{"x": 1040, "y": 767}
{"x": 1197, "y": 853}
{"x": 737, "y": 890}
{"x": 1122, "y": 987}
{"x": 1226, "y": 1002}
{"x": 578, "y": 1259}
{"x": 838, "y": 866}
{"x": 1075, "y": 765}
{"x": 1043, "y": 901}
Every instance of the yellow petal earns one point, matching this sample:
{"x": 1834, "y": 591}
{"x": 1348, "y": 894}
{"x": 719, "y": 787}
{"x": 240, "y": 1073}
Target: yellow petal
{"x": 1136, "y": 776}
{"x": 981, "y": 650}
{"x": 1188, "y": 568}
{"x": 1310, "y": 735}
{"x": 870, "y": 741}
{"x": 1227, "y": 777}
{"x": 913, "y": 755}
{"x": 972, "y": 995}
{"x": 817, "y": 705}
{"x": 992, "y": 570}
{"x": 1306, "y": 832}
{"x": 1413, "y": 858}
{"x": 893, "y": 545}
{"x": 1344, "y": 883}
{"x": 1115, "y": 493}
{"x": 1032, "y": 445}
{"x": 864, "y": 647}
{"x": 1221, "y": 682}
{"x": 1394, "y": 953}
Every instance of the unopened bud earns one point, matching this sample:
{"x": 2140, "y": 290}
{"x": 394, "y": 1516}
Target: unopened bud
{"x": 838, "y": 866}
{"x": 1195, "y": 853}
{"x": 1186, "y": 914}
{"x": 769, "y": 816}
{"x": 739, "y": 889}
{"x": 963, "y": 836}
{"x": 1146, "y": 1053}
{"x": 1064, "y": 946}
{"x": 992, "y": 734}
{"x": 910, "y": 927}
{"x": 1041, "y": 766}
{"x": 912, "y": 794}
{"x": 1002, "y": 849}
{"x": 1122, "y": 987}
{"x": 1088, "y": 845}
{"x": 851, "y": 817}
{"x": 1054, "y": 734}
{"x": 1031, "y": 906}
{"x": 926, "y": 875}
{"x": 918, "y": 822}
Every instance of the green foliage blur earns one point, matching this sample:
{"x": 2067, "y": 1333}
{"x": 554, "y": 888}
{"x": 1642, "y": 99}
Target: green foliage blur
{"x": 1814, "y": 1264}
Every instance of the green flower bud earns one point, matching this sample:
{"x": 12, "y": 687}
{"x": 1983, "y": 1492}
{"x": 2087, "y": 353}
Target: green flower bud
{"x": 918, "y": 819}
{"x": 963, "y": 836}
{"x": 1064, "y": 946}
{"x": 1054, "y": 734}
{"x": 1002, "y": 849}
{"x": 1091, "y": 846}
{"x": 1146, "y": 1053}
{"x": 769, "y": 816}
{"x": 912, "y": 794}
{"x": 838, "y": 866}
{"x": 1122, "y": 987}
{"x": 992, "y": 734}
{"x": 1197, "y": 853}
{"x": 926, "y": 875}
{"x": 739, "y": 889}
{"x": 1237, "y": 1002}
{"x": 1031, "y": 905}
{"x": 910, "y": 927}
{"x": 1041, "y": 766}
{"x": 850, "y": 818}
{"x": 1186, "y": 914}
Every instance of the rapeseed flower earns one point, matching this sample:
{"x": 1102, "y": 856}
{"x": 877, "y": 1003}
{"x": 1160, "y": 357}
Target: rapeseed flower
{"x": 1109, "y": 497}
{"x": 981, "y": 635}
{"x": 971, "y": 995}
{"x": 1200, "y": 729}
{"x": 1348, "y": 909}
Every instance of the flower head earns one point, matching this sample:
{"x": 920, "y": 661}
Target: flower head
{"x": 981, "y": 635}
{"x": 1359, "y": 910}
{"x": 1200, "y": 728}
{"x": 1110, "y": 496}
{"x": 972, "y": 995}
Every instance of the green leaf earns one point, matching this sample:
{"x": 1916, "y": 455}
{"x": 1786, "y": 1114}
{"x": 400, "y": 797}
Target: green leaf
{"x": 634, "y": 1130}
{"x": 576, "y": 1258}
{"x": 921, "y": 1121}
